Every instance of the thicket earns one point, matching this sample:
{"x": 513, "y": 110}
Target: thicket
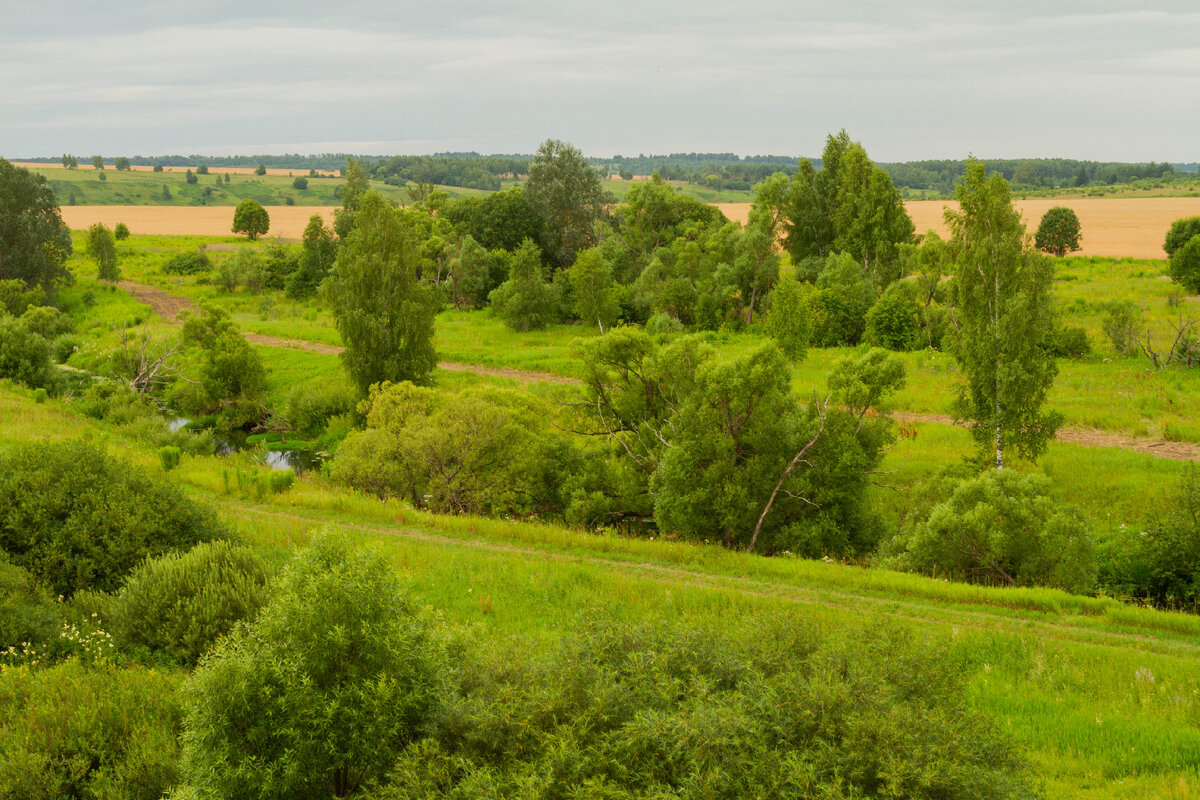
{"x": 77, "y": 518}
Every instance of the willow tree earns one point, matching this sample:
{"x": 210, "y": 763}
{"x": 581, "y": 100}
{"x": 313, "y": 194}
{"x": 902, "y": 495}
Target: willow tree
{"x": 1005, "y": 317}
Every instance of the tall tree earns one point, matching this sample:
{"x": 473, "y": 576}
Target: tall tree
{"x": 316, "y": 258}
{"x": 251, "y": 219}
{"x": 567, "y": 193}
{"x": 1003, "y": 305}
{"x": 353, "y": 190}
{"x": 789, "y": 322}
{"x": 384, "y": 313}
{"x": 102, "y": 247}
{"x": 592, "y": 288}
{"x": 34, "y": 242}
{"x": 524, "y": 301}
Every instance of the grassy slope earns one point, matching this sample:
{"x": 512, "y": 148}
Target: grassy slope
{"x": 1104, "y": 695}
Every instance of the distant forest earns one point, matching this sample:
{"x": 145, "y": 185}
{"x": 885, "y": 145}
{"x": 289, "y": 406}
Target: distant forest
{"x": 724, "y": 171}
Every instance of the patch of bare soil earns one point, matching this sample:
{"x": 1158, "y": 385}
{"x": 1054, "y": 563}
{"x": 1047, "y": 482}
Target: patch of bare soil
{"x": 167, "y": 306}
{"x": 1087, "y": 437}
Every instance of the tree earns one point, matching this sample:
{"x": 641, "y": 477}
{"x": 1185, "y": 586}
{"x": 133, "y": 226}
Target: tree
{"x": 121, "y": 232}
{"x": 232, "y": 381}
{"x": 524, "y": 301}
{"x": 102, "y": 248}
{"x": 850, "y": 205}
{"x": 1184, "y": 265}
{"x": 568, "y": 195}
{"x": 1181, "y": 232}
{"x": 98, "y": 162}
{"x": 300, "y": 183}
{"x": 353, "y": 190}
{"x": 1003, "y": 304}
{"x": 592, "y": 289}
{"x": 1058, "y": 233}
{"x": 384, "y": 313}
{"x": 251, "y": 219}
{"x": 260, "y": 170}
{"x": 316, "y": 697}
{"x": 34, "y": 241}
{"x": 316, "y": 258}
{"x": 192, "y": 180}
{"x": 789, "y": 321}
{"x": 202, "y": 169}
{"x": 122, "y": 164}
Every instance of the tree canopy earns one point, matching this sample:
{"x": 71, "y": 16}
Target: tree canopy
{"x": 34, "y": 241}
{"x": 251, "y": 219}
{"x": 566, "y": 192}
{"x": 1058, "y": 232}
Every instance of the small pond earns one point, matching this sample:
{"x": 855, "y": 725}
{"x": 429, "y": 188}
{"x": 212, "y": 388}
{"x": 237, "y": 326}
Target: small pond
{"x": 299, "y": 459}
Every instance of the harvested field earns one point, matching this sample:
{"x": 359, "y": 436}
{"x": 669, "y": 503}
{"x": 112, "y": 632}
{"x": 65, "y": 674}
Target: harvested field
{"x": 286, "y": 221}
{"x": 1124, "y": 227}
{"x": 215, "y": 170}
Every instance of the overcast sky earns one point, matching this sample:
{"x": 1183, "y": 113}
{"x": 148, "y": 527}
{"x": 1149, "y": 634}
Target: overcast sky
{"x": 910, "y": 80}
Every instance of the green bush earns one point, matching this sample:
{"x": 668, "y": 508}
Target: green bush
{"x": 1123, "y": 325}
{"x": 78, "y": 518}
{"x": 63, "y": 347}
{"x": 25, "y": 356}
{"x": 309, "y": 407}
{"x": 169, "y": 457}
{"x": 894, "y": 321}
{"x": 1070, "y": 342}
{"x": 1184, "y": 265}
{"x": 193, "y": 263}
{"x": 1003, "y": 528}
{"x": 121, "y": 232}
{"x": 178, "y": 605}
{"x": 27, "y": 611}
{"x": 1180, "y": 233}
{"x": 73, "y": 732}
{"x": 314, "y": 699}
{"x": 773, "y": 710}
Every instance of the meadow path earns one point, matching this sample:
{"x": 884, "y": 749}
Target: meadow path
{"x": 169, "y": 306}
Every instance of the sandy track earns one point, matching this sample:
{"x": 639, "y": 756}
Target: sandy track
{"x": 1121, "y": 227}
{"x": 169, "y": 306}
{"x": 286, "y": 221}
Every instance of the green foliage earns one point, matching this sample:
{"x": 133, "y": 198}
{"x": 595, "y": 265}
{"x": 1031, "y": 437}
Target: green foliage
{"x": 1069, "y": 342}
{"x": 232, "y": 380}
{"x": 476, "y": 451}
{"x": 1123, "y": 325}
{"x": 894, "y": 321}
{"x": 121, "y": 232}
{"x": 1184, "y": 265}
{"x": 34, "y": 241}
{"x": 16, "y": 299}
{"x": 251, "y": 219}
{"x": 300, "y": 183}
{"x": 354, "y": 190}
{"x": 595, "y": 297}
{"x": 78, "y": 519}
{"x": 1003, "y": 306}
{"x": 316, "y": 259}
{"x": 102, "y": 248}
{"x": 849, "y": 206}
{"x": 98, "y": 162}
{"x": 789, "y": 321}
{"x": 525, "y": 301}
{"x": 260, "y": 170}
{"x": 1180, "y": 233}
{"x": 196, "y": 262}
{"x": 566, "y": 193}
{"x": 75, "y": 732}
{"x": 169, "y": 456}
{"x": 191, "y": 179}
{"x": 315, "y": 698}
{"x": 769, "y": 709}
{"x": 383, "y": 312}
{"x": 1006, "y": 529}
{"x": 474, "y": 273}
{"x": 844, "y": 297}
{"x": 179, "y": 604}
{"x": 498, "y": 221}
{"x": 28, "y": 614}
{"x": 1058, "y": 233}
{"x": 310, "y": 407}
{"x": 25, "y": 356}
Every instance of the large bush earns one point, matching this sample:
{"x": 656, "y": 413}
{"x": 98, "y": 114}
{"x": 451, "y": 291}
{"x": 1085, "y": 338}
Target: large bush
{"x": 1184, "y": 265}
{"x": 193, "y": 263}
{"x": 894, "y": 321}
{"x": 78, "y": 518}
{"x": 1003, "y": 528}
{"x": 73, "y": 732}
{"x": 769, "y": 710}
{"x": 25, "y": 355}
{"x": 1181, "y": 232}
{"x": 27, "y": 611}
{"x": 181, "y": 603}
{"x": 315, "y": 697}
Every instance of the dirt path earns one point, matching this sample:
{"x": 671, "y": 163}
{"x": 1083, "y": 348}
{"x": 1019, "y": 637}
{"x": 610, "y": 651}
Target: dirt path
{"x": 168, "y": 306}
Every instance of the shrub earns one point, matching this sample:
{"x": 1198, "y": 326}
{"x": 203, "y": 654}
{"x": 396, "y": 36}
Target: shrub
{"x": 121, "y": 232}
{"x": 525, "y": 301}
{"x": 300, "y": 184}
{"x": 1069, "y": 343}
{"x": 74, "y": 732}
{"x": 1122, "y": 325}
{"x": 1003, "y": 528}
{"x": 309, "y": 407}
{"x": 169, "y": 457}
{"x": 663, "y": 324}
{"x": 191, "y": 178}
{"x": 771, "y": 711}
{"x": 894, "y": 321}
{"x": 317, "y": 695}
{"x": 27, "y": 611}
{"x": 179, "y": 604}
{"x": 25, "y": 356}
{"x": 1184, "y": 265}
{"x": 78, "y": 518}
{"x": 193, "y": 263}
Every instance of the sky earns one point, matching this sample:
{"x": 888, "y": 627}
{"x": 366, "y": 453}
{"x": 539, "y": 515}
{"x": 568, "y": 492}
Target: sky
{"x": 1109, "y": 81}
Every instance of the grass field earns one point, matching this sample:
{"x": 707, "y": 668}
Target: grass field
{"x": 1106, "y": 697}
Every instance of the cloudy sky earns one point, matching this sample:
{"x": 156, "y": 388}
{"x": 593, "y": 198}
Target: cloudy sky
{"x": 911, "y": 80}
